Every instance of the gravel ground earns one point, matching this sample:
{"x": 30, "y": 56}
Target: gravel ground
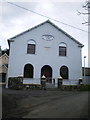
{"x": 44, "y": 104}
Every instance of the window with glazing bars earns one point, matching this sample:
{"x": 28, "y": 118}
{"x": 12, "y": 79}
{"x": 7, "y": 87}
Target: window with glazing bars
{"x": 62, "y": 51}
{"x": 31, "y": 48}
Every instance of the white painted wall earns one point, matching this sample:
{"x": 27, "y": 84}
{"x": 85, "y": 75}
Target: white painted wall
{"x": 19, "y": 57}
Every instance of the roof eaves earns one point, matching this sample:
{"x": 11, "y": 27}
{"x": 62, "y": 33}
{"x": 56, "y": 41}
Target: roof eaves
{"x": 4, "y": 66}
{"x": 4, "y": 55}
{"x": 48, "y": 21}
{"x": 28, "y": 30}
{"x": 66, "y": 34}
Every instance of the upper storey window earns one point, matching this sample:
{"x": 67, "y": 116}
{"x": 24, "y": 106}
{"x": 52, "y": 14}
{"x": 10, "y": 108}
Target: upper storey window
{"x": 62, "y": 49}
{"x": 31, "y": 46}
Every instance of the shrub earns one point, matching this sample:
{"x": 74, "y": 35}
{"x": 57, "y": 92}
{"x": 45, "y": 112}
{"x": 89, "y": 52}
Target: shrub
{"x": 15, "y": 83}
{"x": 85, "y": 88}
{"x": 79, "y": 87}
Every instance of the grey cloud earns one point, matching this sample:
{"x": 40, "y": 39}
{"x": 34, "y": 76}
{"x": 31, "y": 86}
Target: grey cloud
{"x": 10, "y": 12}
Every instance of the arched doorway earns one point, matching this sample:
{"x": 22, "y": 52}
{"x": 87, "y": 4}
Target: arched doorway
{"x": 64, "y": 73}
{"x": 28, "y": 71}
{"x": 47, "y": 72}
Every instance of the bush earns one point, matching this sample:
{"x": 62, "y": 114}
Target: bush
{"x": 69, "y": 87}
{"x": 15, "y": 83}
{"x": 85, "y": 88}
{"x": 79, "y": 87}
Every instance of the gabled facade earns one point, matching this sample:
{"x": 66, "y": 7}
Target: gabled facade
{"x": 45, "y": 50}
{"x": 3, "y": 66}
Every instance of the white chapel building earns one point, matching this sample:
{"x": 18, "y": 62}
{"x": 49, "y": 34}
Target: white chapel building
{"x": 45, "y": 50}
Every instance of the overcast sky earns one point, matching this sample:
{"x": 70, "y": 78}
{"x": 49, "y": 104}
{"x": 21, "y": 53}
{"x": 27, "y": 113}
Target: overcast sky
{"x": 15, "y": 20}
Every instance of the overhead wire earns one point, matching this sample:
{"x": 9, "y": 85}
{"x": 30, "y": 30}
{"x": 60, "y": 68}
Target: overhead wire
{"x": 46, "y": 16}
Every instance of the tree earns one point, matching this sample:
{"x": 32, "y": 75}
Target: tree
{"x": 87, "y": 12}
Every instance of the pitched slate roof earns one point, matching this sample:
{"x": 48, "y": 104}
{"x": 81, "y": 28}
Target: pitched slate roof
{"x": 48, "y": 21}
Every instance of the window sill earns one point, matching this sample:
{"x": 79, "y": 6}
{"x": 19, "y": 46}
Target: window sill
{"x": 30, "y": 54}
{"x": 63, "y": 56}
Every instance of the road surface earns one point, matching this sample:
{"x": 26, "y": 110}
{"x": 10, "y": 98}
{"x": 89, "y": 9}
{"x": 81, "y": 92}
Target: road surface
{"x": 45, "y": 104}
{"x": 69, "y": 106}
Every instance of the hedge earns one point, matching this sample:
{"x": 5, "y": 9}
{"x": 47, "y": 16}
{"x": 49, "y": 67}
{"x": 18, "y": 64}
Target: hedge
{"x": 15, "y": 83}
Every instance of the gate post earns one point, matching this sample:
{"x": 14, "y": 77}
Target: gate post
{"x": 80, "y": 81}
{"x": 60, "y": 81}
{"x": 43, "y": 82}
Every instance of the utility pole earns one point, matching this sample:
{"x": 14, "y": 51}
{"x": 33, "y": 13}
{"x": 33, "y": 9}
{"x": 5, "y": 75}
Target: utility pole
{"x": 84, "y": 67}
{"x": 87, "y": 12}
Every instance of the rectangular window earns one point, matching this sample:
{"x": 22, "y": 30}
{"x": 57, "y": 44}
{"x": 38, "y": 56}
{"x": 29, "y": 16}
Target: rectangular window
{"x": 62, "y": 51}
{"x": 31, "y": 49}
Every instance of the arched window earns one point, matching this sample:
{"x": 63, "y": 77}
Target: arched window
{"x": 31, "y": 47}
{"x": 62, "y": 49}
{"x": 64, "y": 72}
{"x": 28, "y": 71}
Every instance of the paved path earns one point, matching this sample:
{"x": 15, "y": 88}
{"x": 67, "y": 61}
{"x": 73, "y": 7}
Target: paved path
{"x": 72, "y": 106}
{"x": 50, "y": 85}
